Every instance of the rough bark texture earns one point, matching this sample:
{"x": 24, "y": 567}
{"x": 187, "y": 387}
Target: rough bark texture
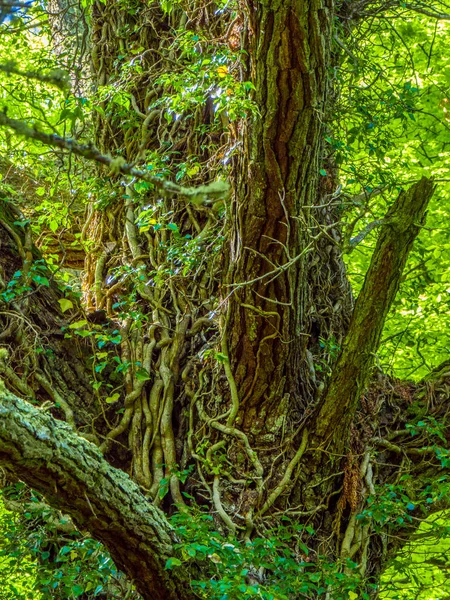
{"x": 328, "y": 498}
{"x": 270, "y": 311}
{"x": 73, "y": 476}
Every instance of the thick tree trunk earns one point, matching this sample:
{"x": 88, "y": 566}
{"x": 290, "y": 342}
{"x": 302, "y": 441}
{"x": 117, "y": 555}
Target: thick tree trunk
{"x": 254, "y": 420}
{"x": 280, "y": 250}
{"x": 273, "y": 231}
{"x": 283, "y": 289}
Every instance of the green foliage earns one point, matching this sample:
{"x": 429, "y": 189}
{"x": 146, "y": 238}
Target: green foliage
{"x": 35, "y": 89}
{"x": 208, "y": 76}
{"x": 21, "y": 283}
{"x": 43, "y": 556}
{"x": 17, "y": 568}
{"x": 419, "y": 571}
{"x": 393, "y": 128}
{"x": 278, "y": 566}
{"x": 173, "y": 471}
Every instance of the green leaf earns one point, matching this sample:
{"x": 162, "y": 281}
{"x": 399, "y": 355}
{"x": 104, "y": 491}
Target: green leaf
{"x": 77, "y": 590}
{"x": 163, "y": 488}
{"x": 173, "y": 562}
{"x": 78, "y": 324}
{"x": 65, "y": 304}
{"x": 53, "y": 225}
{"x": 142, "y": 375}
{"x": 221, "y": 357}
{"x": 113, "y": 398}
{"x": 83, "y": 332}
{"x": 23, "y": 223}
{"x": 40, "y": 280}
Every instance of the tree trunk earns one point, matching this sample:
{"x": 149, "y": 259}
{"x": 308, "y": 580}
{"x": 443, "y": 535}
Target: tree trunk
{"x": 274, "y": 232}
{"x": 229, "y": 370}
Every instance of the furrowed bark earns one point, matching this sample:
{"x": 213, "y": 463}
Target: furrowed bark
{"x": 277, "y": 182}
{"x": 74, "y": 477}
{"x": 402, "y": 225}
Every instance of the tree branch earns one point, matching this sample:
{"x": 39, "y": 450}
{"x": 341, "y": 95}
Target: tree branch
{"x": 429, "y": 12}
{"x": 401, "y": 226}
{"x": 57, "y": 77}
{"x": 74, "y": 477}
{"x": 203, "y": 194}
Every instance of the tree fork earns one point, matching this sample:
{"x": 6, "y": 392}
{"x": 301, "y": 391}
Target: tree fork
{"x": 402, "y": 224}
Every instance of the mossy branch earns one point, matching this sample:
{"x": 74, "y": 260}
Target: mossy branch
{"x": 56, "y": 77}
{"x": 400, "y": 228}
{"x": 210, "y": 194}
{"x": 74, "y": 477}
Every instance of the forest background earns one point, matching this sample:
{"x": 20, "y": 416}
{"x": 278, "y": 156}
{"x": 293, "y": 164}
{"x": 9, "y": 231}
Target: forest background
{"x": 64, "y": 77}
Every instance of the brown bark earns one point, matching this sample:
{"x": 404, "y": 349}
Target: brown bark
{"x": 269, "y": 307}
{"x": 284, "y": 287}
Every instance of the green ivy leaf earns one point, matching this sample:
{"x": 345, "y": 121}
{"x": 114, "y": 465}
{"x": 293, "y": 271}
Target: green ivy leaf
{"x": 77, "y": 590}
{"x": 142, "y": 375}
{"x": 40, "y": 280}
{"x": 78, "y": 324}
{"x": 173, "y": 562}
{"x": 113, "y": 398}
{"x": 65, "y": 304}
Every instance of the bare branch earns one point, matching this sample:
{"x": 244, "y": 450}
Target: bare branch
{"x": 354, "y": 241}
{"x": 429, "y": 12}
